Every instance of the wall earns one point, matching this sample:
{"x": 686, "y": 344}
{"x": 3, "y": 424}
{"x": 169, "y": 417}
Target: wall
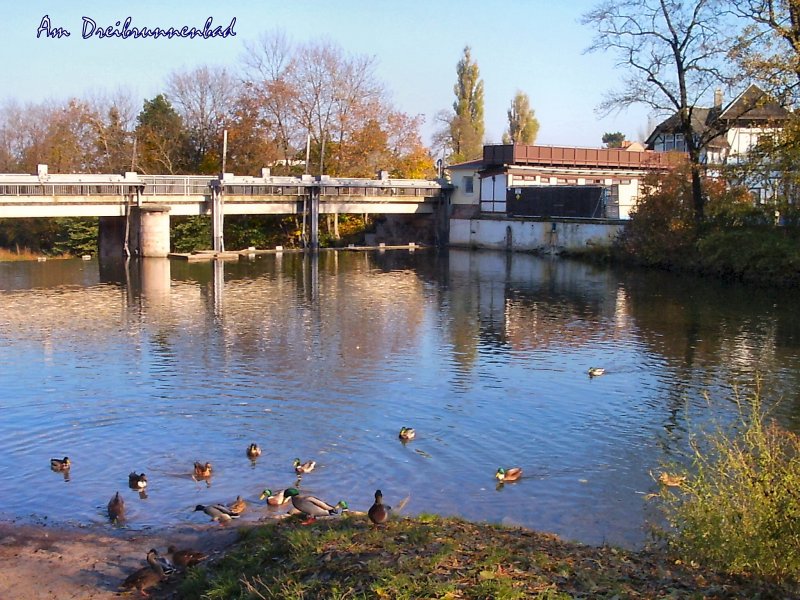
{"x": 552, "y": 236}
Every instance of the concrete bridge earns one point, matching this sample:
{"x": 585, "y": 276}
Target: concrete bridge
{"x": 134, "y": 209}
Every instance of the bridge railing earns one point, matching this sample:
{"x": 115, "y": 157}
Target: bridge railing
{"x": 63, "y": 189}
{"x": 176, "y": 185}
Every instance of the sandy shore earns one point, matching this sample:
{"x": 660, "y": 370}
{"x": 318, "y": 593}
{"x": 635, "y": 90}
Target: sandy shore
{"x": 46, "y": 562}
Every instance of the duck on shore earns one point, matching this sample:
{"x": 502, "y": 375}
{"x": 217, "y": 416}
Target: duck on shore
{"x": 313, "y": 507}
{"x": 378, "y": 513}
{"x": 217, "y": 512}
{"x": 274, "y": 499}
{"x": 146, "y": 577}
{"x": 185, "y": 557}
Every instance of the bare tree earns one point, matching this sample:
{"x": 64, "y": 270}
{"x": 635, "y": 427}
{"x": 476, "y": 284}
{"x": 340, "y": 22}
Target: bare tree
{"x": 204, "y": 97}
{"x": 269, "y": 65}
{"x": 674, "y": 54}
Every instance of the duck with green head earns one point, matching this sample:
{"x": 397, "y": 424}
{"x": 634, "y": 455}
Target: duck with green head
{"x": 507, "y": 475}
{"x": 274, "y": 499}
{"x": 304, "y": 467}
{"x": 311, "y": 506}
{"x": 217, "y": 512}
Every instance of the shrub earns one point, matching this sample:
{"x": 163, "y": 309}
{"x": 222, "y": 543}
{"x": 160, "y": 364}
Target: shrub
{"x": 738, "y": 510}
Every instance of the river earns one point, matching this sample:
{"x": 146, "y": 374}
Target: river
{"x": 153, "y": 365}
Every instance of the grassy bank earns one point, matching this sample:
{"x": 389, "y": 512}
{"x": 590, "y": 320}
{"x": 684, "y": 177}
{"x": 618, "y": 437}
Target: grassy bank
{"x": 432, "y": 557}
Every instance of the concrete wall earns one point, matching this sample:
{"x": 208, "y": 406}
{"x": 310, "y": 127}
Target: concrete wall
{"x": 532, "y": 235}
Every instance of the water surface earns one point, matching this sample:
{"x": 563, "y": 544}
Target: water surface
{"x": 150, "y": 366}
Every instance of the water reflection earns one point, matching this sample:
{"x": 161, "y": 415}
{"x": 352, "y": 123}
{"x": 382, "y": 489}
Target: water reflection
{"x": 327, "y": 356}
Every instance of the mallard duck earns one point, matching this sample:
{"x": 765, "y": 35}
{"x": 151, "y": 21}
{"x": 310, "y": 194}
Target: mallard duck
{"x": 407, "y": 433}
{"x": 238, "y": 506}
{"x": 306, "y": 467}
{"x": 253, "y": 451}
{"x": 116, "y": 508}
{"x": 277, "y": 499}
{"x": 506, "y": 475}
{"x": 671, "y": 480}
{"x": 202, "y": 471}
{"x": 596, "y": 371}
{"x": 217, "y": 512}
{"x": 185, "y": 558}
{"x": 137, "y": 481}
{"x": 378, "y": 513}
{"x": 146, "y": 577}
{"x": 60, "y": 464}
{"x": 313, "y": 507}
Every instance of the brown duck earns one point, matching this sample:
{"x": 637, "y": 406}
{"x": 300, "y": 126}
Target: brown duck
{"x": 116, "y": 508}
{"x": 186, "y": 557}
{"x": 378, "y": 513}
{"x": 202, "y": 471}
{"x": 146, "y": 577}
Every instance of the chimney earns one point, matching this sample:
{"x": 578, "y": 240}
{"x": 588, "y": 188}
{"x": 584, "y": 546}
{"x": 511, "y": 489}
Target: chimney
{"x": 717, "y": 98}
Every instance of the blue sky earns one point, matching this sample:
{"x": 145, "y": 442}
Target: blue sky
{"x": 532, "y": 45}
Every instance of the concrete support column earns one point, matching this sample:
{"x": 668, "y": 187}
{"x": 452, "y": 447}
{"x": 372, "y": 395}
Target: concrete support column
{"x": 111, "y": 237}
{"x": 151, "y": 231}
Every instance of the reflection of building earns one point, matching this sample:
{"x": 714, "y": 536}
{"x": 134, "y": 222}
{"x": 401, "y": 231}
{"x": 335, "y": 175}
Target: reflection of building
{"x": 550, "y": 181}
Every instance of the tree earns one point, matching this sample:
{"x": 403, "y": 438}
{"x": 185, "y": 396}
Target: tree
{"x": 674, "y": 54}
{"x": 522, "y": 124}
{"x": 204, "y": 98}
{"x": 161, "y": 138}
{"x": 768, "y": 48}
{"x": 462, "y": 134}
{"x": 613, "y": 140}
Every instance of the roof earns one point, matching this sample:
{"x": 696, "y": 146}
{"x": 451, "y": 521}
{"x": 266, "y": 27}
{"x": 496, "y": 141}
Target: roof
{"x": 471, "y": 165}
{"x": 753, "y": 104}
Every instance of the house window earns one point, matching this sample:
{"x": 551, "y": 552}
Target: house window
{"x": 468, "y": 184}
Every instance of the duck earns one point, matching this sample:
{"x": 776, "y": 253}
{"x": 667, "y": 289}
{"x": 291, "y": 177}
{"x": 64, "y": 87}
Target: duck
{"x": 202, "y": 471}
{"x": 306, "y": 467}
{"x": 671, "y": 480}
{"x": 378, "y": 513}
{"x": 238, "y": 506}
{"x": 137, "y": 481}
{"x": 146, "y": 577}
{"x": 217, "y": 512}
{"x": 253, "y": 451}
{"x": 407, "y": 433}
{"x": 506, "y": 475}
{"x": 596, "y": 371}
{"x": 116, "y": 508}
{"x": 276, "y": 499}
{"x": 60, "y": 464}
{"x": 186, "y": 557}
{"x": 313, "y": 507}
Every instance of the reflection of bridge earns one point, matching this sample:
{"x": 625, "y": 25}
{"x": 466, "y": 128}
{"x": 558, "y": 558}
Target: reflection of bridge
{"x": 134, "y": 209}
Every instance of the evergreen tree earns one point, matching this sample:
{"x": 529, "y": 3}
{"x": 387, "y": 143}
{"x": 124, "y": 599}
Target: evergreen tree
{"x": 522, "y": 124}
{"x": 161, "y": 138}
{"x": 613, "y": 140}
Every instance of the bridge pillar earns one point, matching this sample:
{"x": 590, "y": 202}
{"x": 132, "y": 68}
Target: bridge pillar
{"x": 111, "y": 237}
{"x": 150, "y": 231}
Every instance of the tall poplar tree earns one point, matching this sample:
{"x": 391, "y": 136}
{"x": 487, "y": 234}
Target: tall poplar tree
{"x": 522, "y": 124}
{"x": 466, "y": 124}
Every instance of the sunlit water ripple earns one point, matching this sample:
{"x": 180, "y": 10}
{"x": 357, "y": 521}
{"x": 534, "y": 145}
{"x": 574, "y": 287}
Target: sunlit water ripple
{"x": 159, "y": 364}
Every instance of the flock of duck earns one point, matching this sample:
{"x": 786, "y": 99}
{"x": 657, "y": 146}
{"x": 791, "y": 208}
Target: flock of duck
{"x": 311, "y": 507}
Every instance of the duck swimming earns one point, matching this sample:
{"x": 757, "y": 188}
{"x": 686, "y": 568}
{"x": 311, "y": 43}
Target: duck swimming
{"x": 306, "y": 467}
{"x": 238, "y": 506}
{"x": 60, "y": 464}
{"x": 507, "y": 475}
{"x": 202, "y": 471}
{"x": 116, "y": 508}
{"x": 253, "y": 451}
{"x": 137, "y": 481}
{"x": 407, "y": 433}
{"x": 596, "y": 371}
